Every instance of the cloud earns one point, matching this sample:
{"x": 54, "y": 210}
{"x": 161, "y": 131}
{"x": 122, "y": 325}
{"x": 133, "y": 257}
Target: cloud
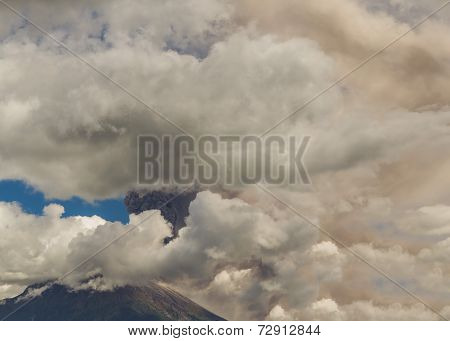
{"x": 327, "y": 309}
{"x": 410, "y": 74}
{"x": 60, "y": 120}
{"x": 379, "y": 179}
{"x": 34, "y": 248}
{"x": 235, "y": 67}
{"x": 230, "y": 254}
{"x": 410, "y": 11}
{"x": 229, "y": 250}
{"x": 234, "y": 73}
{"x": 431, "y": 220}
{"x": 239, "y": 260}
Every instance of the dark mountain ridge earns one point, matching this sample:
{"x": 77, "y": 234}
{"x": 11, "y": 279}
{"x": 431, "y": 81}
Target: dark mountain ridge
{"x": 56, "y": 302}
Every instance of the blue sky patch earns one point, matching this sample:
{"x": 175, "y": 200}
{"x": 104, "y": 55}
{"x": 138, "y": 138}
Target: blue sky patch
{"x": 33, "y": 201}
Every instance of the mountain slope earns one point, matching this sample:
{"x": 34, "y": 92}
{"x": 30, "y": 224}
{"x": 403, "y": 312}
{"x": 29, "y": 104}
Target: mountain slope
{"x": 147, "y": 303}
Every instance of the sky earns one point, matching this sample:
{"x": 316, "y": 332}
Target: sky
{"x": 377, "y": 157}
{"x": 33, "y": 201}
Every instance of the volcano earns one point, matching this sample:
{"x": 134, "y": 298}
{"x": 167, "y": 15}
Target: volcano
{"x": 57, "y": 302}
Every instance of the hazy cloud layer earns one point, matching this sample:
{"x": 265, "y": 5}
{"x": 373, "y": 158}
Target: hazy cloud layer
{"x": 411, "y": 75}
